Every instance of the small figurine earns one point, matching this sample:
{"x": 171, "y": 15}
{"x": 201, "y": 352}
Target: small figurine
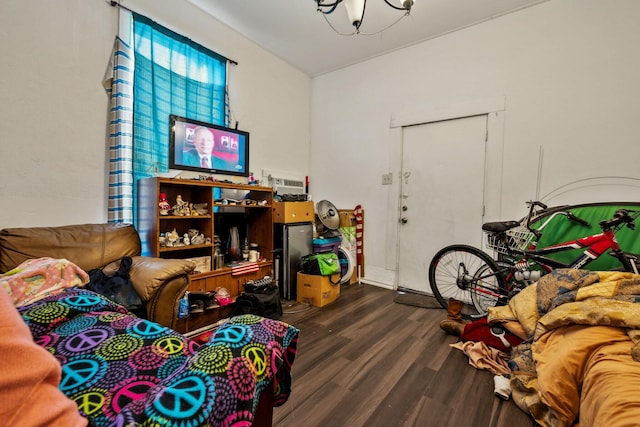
{"x": 252, "y": 180}
{"x": 164, "y": 205}
{"x": 181, "y": 208}
{"x": 198, "y": 240}
{"x": 193, "y": 232}
{"x": 171, "y": 238}
{"x": 185, "y": 240}
{"x": 200, "y": 208}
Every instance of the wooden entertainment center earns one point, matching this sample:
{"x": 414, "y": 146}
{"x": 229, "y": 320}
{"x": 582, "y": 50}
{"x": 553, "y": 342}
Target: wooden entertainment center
{"x": 249, "y": 208}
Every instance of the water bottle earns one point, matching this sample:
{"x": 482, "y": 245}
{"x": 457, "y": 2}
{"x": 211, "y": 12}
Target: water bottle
{"x": 183, "y": 307}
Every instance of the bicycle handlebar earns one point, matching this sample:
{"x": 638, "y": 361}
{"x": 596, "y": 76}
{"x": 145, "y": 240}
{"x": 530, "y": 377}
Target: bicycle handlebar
{"x": 560, "y": 210}
{"x": 534, "y": 203}
{"x": 572, "y": 217}
{"x": 620, "y": 217}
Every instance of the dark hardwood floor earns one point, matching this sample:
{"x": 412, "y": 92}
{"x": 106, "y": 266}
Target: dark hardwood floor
{"x": 368, "y": 361}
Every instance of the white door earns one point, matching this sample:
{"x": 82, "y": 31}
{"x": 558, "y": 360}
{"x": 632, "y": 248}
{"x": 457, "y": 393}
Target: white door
{"x": 441, "y": 197}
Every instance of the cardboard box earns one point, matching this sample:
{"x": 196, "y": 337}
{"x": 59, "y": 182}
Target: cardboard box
{"x": 292, "y": 212}
{"x": 203, "y": 263}
{"x": 317, "y": 290}
{"x": 347, "y": 218}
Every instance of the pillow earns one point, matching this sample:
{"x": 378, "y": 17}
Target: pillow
{"x": 37, "y": 278}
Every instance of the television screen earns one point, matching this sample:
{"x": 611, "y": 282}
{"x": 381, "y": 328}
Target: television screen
{"x": 205, "y": 147}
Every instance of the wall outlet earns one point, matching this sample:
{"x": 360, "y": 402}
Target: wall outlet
{"x": 387, "y": 178}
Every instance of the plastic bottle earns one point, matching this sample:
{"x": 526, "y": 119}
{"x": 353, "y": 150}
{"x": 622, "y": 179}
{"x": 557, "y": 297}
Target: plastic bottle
{"x": 183, "y": 307}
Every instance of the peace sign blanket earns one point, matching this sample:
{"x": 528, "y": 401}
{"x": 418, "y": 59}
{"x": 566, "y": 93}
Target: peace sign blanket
{"x": 122, "y": 370}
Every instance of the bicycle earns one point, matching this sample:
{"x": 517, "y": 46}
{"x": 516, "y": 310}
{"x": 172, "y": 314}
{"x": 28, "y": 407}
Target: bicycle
{"x": 470, "y": 275}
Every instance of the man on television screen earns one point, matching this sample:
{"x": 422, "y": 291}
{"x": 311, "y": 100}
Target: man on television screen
{"x": 200, "y": 155}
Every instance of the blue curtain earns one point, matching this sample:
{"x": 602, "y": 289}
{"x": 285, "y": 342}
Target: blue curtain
{"x": 173, "y": 75}
{"x": 119, "y": 86}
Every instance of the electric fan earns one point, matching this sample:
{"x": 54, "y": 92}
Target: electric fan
{"x": 328, "y": 219}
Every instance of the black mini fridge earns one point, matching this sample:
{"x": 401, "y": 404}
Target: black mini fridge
{"x": 292, "y": 242}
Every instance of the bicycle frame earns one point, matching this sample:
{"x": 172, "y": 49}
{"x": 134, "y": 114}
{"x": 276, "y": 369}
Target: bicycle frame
{"x": 595, "y": 245}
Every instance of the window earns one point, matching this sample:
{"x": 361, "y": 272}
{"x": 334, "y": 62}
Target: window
{"x": 171, "y": 75}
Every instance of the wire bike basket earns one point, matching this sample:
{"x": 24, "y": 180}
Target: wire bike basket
{"x": 516, "y": 238}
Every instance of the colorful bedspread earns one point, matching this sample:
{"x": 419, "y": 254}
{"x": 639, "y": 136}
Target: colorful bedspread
{"x": 581, "y": 363}
{"x": 124, "y": 371}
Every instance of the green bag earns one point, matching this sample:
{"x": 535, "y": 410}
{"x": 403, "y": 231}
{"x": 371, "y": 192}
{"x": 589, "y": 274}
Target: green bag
{"x": 321, "y": 263}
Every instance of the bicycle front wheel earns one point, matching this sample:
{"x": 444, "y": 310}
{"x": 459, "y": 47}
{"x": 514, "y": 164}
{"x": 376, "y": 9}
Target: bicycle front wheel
{"x": 469, "y": 275}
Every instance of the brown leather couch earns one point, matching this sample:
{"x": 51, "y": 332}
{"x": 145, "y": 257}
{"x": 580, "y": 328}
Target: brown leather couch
{"x": 159, "y": 282}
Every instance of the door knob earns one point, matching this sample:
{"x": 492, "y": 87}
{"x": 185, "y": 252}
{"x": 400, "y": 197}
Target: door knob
{"x": 404, "y": 220}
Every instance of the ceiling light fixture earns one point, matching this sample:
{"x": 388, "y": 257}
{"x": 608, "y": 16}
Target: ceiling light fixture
{"x": 356, "y": 10}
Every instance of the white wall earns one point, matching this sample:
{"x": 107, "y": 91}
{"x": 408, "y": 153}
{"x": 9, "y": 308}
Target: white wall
{"x": 567, "y": 71}
{"x": 53, "y": 167}
{"x": 53, "y": 108}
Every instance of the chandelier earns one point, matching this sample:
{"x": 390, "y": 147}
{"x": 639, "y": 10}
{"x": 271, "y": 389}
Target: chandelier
{"x": 356, "y": 10}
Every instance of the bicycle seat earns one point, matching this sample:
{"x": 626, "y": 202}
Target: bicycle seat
{"x": 499, "y": 226}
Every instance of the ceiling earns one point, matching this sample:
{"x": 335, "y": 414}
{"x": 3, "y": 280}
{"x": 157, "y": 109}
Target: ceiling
{"x": 296, "y": 33}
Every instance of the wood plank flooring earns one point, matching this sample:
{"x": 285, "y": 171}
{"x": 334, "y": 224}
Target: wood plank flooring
{"x": 368, "y": 361}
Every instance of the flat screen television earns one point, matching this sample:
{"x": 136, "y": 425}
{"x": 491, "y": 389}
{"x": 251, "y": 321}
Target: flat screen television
{"x": 204, "y": 147}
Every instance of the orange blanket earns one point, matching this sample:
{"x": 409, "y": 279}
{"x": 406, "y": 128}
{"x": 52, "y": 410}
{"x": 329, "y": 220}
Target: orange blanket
{"x": 586, "y": 375}
{"x": 581, "y": 365}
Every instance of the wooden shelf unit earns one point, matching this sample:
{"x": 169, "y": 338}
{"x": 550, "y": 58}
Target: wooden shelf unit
{"x": 253, "y": 221}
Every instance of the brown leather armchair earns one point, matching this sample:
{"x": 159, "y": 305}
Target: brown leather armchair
{"x": 159, "y": 282}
